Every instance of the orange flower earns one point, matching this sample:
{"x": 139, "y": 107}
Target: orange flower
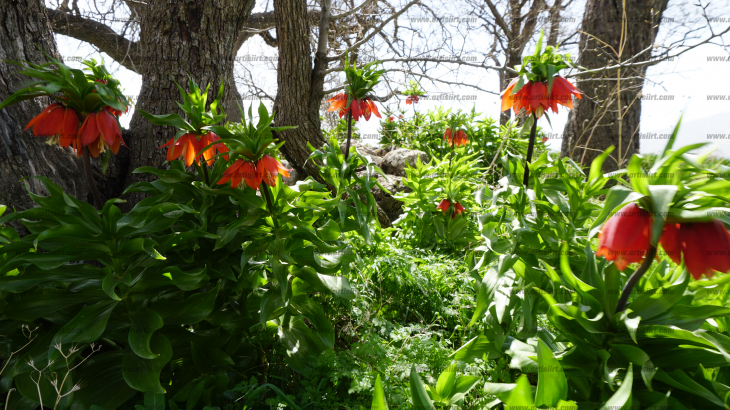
{"x": 367, "y": 106}
{"x": 459, "y": 139}
{"x": 57, "y": 121}
{"x": 562, "y": 93}
{"x": 533, "y": 97}
{"x": 413, "y": 99}
{"x": 208, "y": 154}
{"x": 187, "y": 146}
{"x": 705, "y": 246}
{"x": 270, "y": 167}
{"x": 364, "y": 107}
{"x": 338, "y": 103}
{"x": 458, "y": 210}
{"x": 624, "y": 238}
{"x": 99, "y": 132}
{"x": 241, "y": 170}
{"x": 444, "y": 205}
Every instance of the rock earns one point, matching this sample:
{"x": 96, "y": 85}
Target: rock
{"x": 364, "y": 149}
{"x": 391, "y": 206}
{"x": 394, "y": 162}
{"x": 373, "y": 152}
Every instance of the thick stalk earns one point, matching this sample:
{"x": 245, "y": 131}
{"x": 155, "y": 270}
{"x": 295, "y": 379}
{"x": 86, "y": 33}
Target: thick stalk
{"x": 634, "y": 279}
{"x": 90, "y": 179}
{"x": 349, "y": 131}
{"x": 530, "y": 148}
{"x": 205, "y": 172}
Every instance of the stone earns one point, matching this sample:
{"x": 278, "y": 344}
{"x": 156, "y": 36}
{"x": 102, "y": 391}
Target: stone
{"x": 394, "y": 162}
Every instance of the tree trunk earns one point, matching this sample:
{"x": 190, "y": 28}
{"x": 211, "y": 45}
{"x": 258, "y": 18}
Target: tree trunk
{"x": 23, "y": 26}
{"x": 180, "y": 39}
{"x": 296, "y": 102}
{"x": 593, "y": 125}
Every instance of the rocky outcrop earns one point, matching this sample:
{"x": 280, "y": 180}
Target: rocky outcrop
{"x": 394, "y": 162}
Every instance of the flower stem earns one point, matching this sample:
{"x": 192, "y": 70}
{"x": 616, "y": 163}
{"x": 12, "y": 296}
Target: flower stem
{"x": 634, "y": 279}
{"x": 267, "y": 195}
{"x": 530, "y": 148}
{"x": 205, "y": 172}
{"x": 349, "y": 132}
{"x": 90, "y": 179}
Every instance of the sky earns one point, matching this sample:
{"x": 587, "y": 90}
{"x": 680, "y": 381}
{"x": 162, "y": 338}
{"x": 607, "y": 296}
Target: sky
{"x": 692, "y": 83}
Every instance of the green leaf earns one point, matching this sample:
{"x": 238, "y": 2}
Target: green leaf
{"x": 622, "y": 398}
{"x": 661, "y": 197}
{"x": 552, "y": 386}
{"x": 190, "y": 311}
{"x": 168, "y": 119}
{"x": 420, "y": 397}
{"x": 445, "y": 382}
{"x": 144, "y": 323}
{"x": 477, "y": 348}
{"x": 143, "y": 374}
{"x": 86, "y": 327}
{"x": 104, "y": 384}
{"x": 379, "y": 402}
{"x": 154, "y": 401}
{"x": 461, "y": 388}
{"x": 670, "y": 141}
{"x": 521, "y": 397}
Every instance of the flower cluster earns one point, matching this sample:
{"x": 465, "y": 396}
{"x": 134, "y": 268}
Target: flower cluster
{"x": 625, "y": 238}
{"x": 457, "y": 138}
{"x": 265, "y": 170}
{"x": 538, "y": 97}
{"x": 364, "y": 107}
{"x": 190, "y": 147}
{"x": 445, "y": 204}
{"x": 412, "y": 99}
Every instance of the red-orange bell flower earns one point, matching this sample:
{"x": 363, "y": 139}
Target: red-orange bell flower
{"x": 362, "y": 107}
{"x": 242, "y": 170}
{"x": 624, "y": 238}
{"x": 60, "y": 122}
{"x": 533, "y": 97}
{"x": 270, "y": 167}
{"x": 208, "y": 154}
{"x": 704, "y": 245}
{"x": 187, "y": 146}
{"x": 458, "y": 210}
{"x": 459, "y": 139}
{"x": 444, "y": 205}
{"x": 99, "y": 132}
{"x": 413, "y": 99}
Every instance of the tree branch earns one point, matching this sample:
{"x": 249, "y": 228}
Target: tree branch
{"x": 101, "y": 36}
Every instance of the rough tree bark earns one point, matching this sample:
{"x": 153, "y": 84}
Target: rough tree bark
{"x": 177, "y": 40}
{"x": 297, "y": 102}
{"x": 23, "y": 26}
{"x": 593, "y": 124}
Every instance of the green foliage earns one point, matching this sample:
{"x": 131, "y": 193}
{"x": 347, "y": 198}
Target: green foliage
{"x": 78, "y": 90}
{"x": 422, "y": 225}
{"x": 425, "y": 132}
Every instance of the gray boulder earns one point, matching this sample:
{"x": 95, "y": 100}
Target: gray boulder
{"x": 394, "y": 162}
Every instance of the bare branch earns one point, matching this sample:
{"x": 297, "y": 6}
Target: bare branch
{"x": 101, "y": 36}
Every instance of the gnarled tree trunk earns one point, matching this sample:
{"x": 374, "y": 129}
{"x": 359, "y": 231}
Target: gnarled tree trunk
{"x": 23, "y": 26}
{"x": 180, "y": 39}
{"x": 294, "y": 103}
{"x": 593, "y": 125}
